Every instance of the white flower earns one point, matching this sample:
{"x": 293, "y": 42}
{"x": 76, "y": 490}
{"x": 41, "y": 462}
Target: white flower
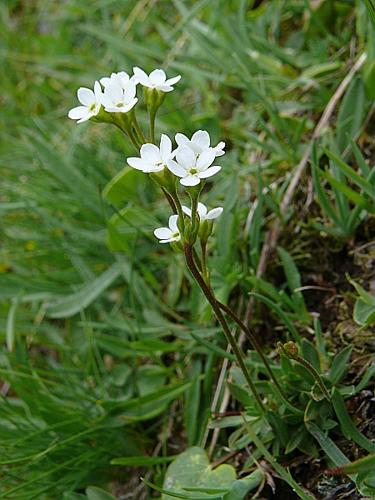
{"x": 203, "y": 213}
{"x": 169, "y": 234}
{"x": 117, "y": 100}
{"x": 199, "y": 142}
{"x": 193, "y": 168}
{"x": 121, "y": 78}
{"x": 157, "y": 79}
{"x": 91, "y": 101}
{"x": 153, "y": 159}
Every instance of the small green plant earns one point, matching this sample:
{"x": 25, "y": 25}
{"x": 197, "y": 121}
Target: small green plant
{"x": 350, "y": 206}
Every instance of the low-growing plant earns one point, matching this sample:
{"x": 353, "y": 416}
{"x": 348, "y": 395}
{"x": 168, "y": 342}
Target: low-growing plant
{"x": 351, "y": 206}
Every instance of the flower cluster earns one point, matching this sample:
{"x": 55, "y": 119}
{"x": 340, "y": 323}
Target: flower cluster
{"x": 190, "y": 163}
{"x": 118, "y": 94}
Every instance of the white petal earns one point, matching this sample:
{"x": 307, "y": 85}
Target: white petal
{"x": 85, "y": 118}
{"x": 78, "y": 112}
{"x": 164, "y": 88}
{"x": 157, "y": 77}
{"x": 123, "y": 78}
{"x": 176, "y": 169}
{"x": 97, "y": 91}
{"x": 172, "y": 81}
{"x": 133, "y": 79}
{"x": 106, "y": 100}
{"x": 214, "y": 213}
{"x": 138, "y": 163}
{"x": 185, "y": 157}
{"x": 186, "y": 210}
{"x": 141, "y": 76}
{"x": 209, "y": 172}
{"x": 190, "y": 180}
{"x": 105, "y": 81}
{"x": 202, "y": 139}
{"x": 172, "y": 223}
{"x": 170, "y": 240}
{"x": 165, "y": 147}
{"x": 205, "y": 159}
{"x": 163, "y": 232}
{"x": 219, "y": 149}
{"x": 114, "y": 92}
{"x": 85, "y": 96}
{"x": 129, "y": 93}
{"x": 181, "y": 139}
{"x": 202, "y": 210}
{"x": 150, "y": 153}
{"x": 128, "y": 106}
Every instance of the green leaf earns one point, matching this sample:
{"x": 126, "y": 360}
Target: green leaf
{"x": 191, "y": 469}
{"x": 240, "y": 394}
{"x": 95, "y": 493}
{"x": 371, "y": 10}
{"x": 192, "y": 401}
{"x": 352, "y": 174}
{"x": 319, "y": 190}
{"x": 364, "y": 464}
{"x": 280, "y": 313}
{"x": 367, "y": 376}
{"x": 351, "y": 113}
{"x": 10, "y": 331}
{"x": 340, "y": 365}
{"x": 284, "y": 473}
{"x": 363, "y": 313}
{"x": 293, "y": 277}
{"x": 213, "y": 347}
{"x": 348, "y": 192}
{"x": 124, "y": 187}
{"x": 64, "y": 307}
{"x": 348, "y": 428}
{"x": 125, "y": 226}
{"x": 241, "y": 487}
{"x": 310, "y": 353}
{"x": 145, "y": 407}
{"x": 328, "y": 446}
{"x": 142, "y": 461}
{"x": 365, "y": 296}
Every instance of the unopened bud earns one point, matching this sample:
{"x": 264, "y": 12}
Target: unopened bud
{"x": 290, "y": 349}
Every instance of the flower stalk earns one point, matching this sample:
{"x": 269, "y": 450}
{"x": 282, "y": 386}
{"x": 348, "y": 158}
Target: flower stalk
{"x": 291, "y": 351}
{"x": 228, "y": 334}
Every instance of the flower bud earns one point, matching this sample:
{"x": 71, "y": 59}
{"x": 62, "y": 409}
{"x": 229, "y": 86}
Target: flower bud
{"x": 290, "y": 349}
{"x": 205, "y": 230}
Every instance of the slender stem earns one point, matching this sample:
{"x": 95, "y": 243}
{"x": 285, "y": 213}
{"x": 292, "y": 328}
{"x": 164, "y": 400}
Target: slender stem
{"x": 315, "y": 374}
{"x": 170, "y": 200}
{"x": 180, "y": 212}
{"x": 130, "y": 134}
{"x": 194, "y": 209}
{"x": 214, "y": 304}
{"x": 254, "y": 341}
{"x": 138, "y": 130}
{"x": 152, "y": 125}
{"x": 290, "y": 350}
{"x": 197, "y": 260}
{"x": 204, "y": 259}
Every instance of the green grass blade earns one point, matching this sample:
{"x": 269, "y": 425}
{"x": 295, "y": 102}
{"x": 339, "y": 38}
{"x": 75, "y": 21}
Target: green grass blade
{"x": 348, "y": 428}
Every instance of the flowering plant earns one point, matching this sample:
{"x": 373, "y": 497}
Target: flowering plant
{"x": 189, "y": 166}
{"x": 183, "y": 170}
